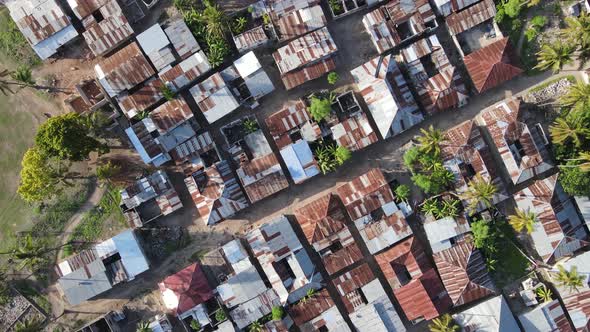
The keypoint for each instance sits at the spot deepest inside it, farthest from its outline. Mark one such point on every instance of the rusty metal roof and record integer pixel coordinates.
(382, 30)
(291, 118)
(321, 218)
(186, 72)
(136, 102)
(492, 65)
(170, 114)
(123, 70)
(463, 271)
(315, 306)
(348, 283)
(250, 39)
(308, 73)
(214, 98)
(262, 177)
(182, 39)
(419, 296)
(305, 50)
(300, 22)
(194, 147)
(471, 16)
(110, 32)
(354, 133)
(37, 19)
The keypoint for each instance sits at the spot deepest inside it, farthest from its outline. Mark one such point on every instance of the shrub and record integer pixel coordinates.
(402, 192)
(195, 325)
(220, 315)
(107, 171)
(167, 92)
(574, 181)
(250, 126)
(239, 25)
(277, 313)
(320, 108)
(411, 157)
(538, 22)
(531, 34)
(342, 154)
(333, 78)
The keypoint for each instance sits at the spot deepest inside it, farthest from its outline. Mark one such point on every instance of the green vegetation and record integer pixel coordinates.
(167, 92)
(26, 288)
(143, 326)
(544, 294)
(554, 56)
(444, 323)
(13, 45)
(336, 7)
(220, 315)
(29, 325)
(402, 192)
(320, 108)
(23, 74)
(4, 287)
(250, 125)
(333, 77)
(239, 25)
(255, 327)
(195, 325)
(330, 157)
(570, 279)
(428, 172)
(523, 220)
(480, 190)
(107, 171)
(441, 207)
(277, 313)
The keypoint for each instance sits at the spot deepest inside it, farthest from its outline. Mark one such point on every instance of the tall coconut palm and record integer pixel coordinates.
(5, 83)
(143, 327)
(29, 325)
(256, 326)
(577, 31)
(554, 56)
(430, 140)
(214, 19)
(570, 279)
(584, 159)
(577, 95)
(564, 130)
(523, 220)
(479, 190)
(444, 323)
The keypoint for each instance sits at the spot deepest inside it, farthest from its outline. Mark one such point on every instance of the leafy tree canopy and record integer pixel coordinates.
(320, 108)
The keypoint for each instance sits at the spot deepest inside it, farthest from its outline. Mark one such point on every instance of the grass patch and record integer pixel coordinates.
(543, 85)
(25, 287)
(13, 44)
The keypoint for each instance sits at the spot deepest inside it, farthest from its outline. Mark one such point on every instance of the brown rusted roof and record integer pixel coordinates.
(321, 218)
(354, 133)
(149, 94)
(110, 32)
(262, 177)
(300, 22)
(342, 258)
(492, 65)
(317, 304)
(251, 39)
(382, 30)
(37, 20)
(311, 72)
(186, 71)
(420, 296)
(365, 193)
(291, 117)
(171, 114)
(470, 17)
(151, 147)
(463, 271)
(349, 282)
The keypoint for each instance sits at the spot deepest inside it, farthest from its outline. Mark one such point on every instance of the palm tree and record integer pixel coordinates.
(449, 208)
(523, 220)
(554, 56)
(479, 190)
(255, 327)
(444, 323)
(577, 31)
(143, 327)
(544, 293)
(325, 158)
(29, 325)
(578, 94)
(30, 253)
(584, 157)
(430, 207)
(4, 83)
(562, 130)
(215, 20)
(430, 140)
(570, 279)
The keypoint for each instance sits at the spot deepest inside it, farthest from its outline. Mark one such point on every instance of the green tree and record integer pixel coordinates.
(566, 129)
(479, 190)
(250, 125)
(29, 325)
(573, 180)
(577, 95)
(239, 25)
(512, 8)
(214, 19)
(430, 207)
(570, 279)
(5, 84)
(195, 325)
(320, 109)
(342, 154)
(325, 157)
(256, 326)
(23, 74)
(411, 157)
(38, 180)
(583, 161)
(430, 140)
(220, 315)
(523, 220)
(544, 294)
(481, 233)
(449, 208)
(332, 78)
(167, 92)
(435, 180)
(402, 192)
(277, 313)
(554, 56)
(143, 326)
(539, 21)
(444, 323)
(67, 137)
(577, 31)
(107, 171)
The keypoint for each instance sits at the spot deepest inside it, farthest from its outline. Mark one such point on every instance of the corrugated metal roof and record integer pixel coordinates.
(310, 72)
(291, 118)
(382, 30)
(254, 309)
(155, 44)
(216, 192)
(214, 98)
(83, 8)
(182, 39)
(577, 302)
(548, 316)
(440, 232)
(305, 50)
(251, 39)
(135, 103)
(193, 148)
(491, 315)
(492, 65)
(354, 133)
(321, 218)
(378, 315)
(300, 22)
(261, 176)
(189, 287)
(123, 70)
(110, 32)
(387, 95)
(171, 114)
(470, 17)
(186, 71)
(315, 306)
(463, 271)
(559, 231)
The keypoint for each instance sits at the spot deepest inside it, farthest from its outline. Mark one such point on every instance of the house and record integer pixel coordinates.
(98, 269)
(186, 293)
(158, 137)
(354, 131)
(444, 233)
(283, 259)
(197, 152)
(105, 24)
(473, 27)
(89, 98)
(243, 291)
(559, 232)
(576, 300)
(142, 98)
(387, 96)
(306, 58)
(106, 323)
(323, 223)
(185, 72)
(248, 80)
(462, 269)
(318, 313)
(214, 98)
(182, 39)
(123, 70)
(397, 21)
(215, 192)
(366, 302)
(548, 316)
(251, 39)
(447, 7)
(492, 65)
(415, 283)
(292, 130)
(156, 46)
(439, 84)
(149, 198)
(522, 148)
(370, 204)
(466, 154)
(492, 315)
(43, 23)
(259, 170)
(294, 18)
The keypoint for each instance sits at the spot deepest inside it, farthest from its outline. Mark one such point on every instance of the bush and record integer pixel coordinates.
(320, 109)
(403, 193)
(342, 154)
(167, 92)
(220, 315)
(195, 325)
(250, 126)
(277, 313)
(538, 22)
(184, 5)
(574, 181)
(531, 34)
(332, 78)
(411, 157)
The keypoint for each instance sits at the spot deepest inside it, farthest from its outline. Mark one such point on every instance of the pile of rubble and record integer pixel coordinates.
(550, 92)
(161, 238)
(17, 309)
